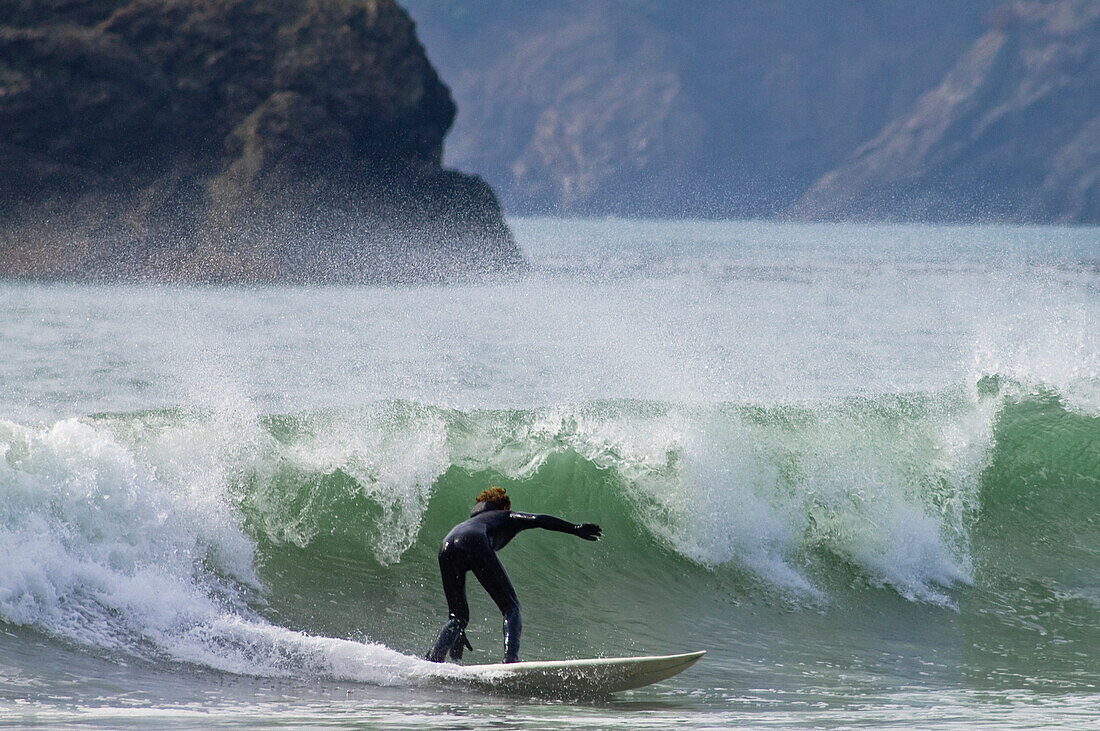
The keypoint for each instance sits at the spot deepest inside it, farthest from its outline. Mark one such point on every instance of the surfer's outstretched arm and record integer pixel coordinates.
(522, 521)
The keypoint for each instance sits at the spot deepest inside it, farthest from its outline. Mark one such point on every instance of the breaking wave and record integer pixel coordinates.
(194, 535)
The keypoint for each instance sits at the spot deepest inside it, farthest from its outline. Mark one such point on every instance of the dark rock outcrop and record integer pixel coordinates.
(231, 140)
(1012, 133)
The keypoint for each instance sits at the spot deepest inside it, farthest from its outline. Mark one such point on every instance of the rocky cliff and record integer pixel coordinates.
(231, 140)
(1012, 132)
(884, 109)
(711, 108)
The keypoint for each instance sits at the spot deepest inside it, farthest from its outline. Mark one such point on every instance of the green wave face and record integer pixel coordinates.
(939, 505)
(779, 532)
(1036, 610)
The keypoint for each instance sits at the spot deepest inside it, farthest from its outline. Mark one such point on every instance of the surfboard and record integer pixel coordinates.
(590, 676)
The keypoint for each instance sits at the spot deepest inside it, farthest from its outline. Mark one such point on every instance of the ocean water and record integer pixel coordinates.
(860, 465)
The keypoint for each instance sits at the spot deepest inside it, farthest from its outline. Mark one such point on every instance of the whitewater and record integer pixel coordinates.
(859, 464)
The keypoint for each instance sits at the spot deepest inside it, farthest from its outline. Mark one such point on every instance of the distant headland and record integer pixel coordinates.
(938, 110)
(232, 140)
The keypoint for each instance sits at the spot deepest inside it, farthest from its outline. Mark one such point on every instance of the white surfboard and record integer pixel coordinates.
(590, 676)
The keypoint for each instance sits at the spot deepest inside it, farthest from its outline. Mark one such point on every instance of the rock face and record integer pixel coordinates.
(237, 140)
(892, 109)
(711, 108)
(574, 108)
(1012, 133)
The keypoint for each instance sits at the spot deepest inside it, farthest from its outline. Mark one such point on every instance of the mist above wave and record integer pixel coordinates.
(681, 312)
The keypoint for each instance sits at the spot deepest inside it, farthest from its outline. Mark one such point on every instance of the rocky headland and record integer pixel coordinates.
(1011, 133)
(232, 140)
(937, 110)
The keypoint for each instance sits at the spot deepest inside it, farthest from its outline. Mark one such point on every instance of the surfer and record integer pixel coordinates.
(472, 546)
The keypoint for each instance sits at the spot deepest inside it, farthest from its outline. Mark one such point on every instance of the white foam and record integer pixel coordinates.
(233, 644)
(104, 550)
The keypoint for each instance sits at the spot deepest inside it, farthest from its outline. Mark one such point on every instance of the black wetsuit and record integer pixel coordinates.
(472, 546)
